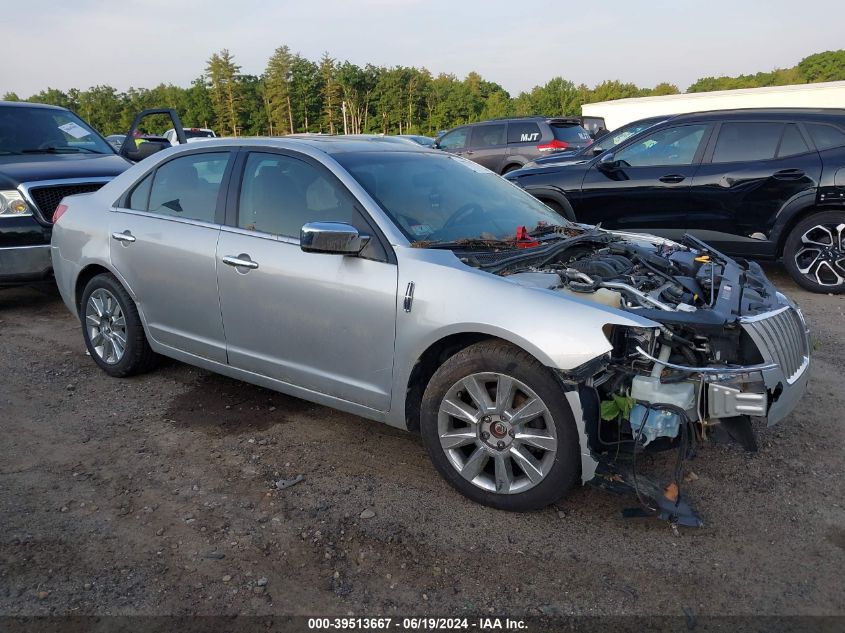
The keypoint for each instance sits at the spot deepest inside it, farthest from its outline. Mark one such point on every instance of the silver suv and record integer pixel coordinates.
(416, 288)
(503, 145)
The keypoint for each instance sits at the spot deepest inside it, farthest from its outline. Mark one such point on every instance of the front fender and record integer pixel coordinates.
(561, 331)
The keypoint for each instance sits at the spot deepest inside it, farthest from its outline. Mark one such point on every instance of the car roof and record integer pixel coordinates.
(756, 113)
(326, 144)
(27, 104)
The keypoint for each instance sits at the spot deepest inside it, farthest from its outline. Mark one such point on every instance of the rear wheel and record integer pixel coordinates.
(814, 252)
(498, 428)
(112, 328)
(510, 168)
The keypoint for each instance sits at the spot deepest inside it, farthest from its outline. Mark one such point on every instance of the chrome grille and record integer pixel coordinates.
(781, 337)
(48, 198)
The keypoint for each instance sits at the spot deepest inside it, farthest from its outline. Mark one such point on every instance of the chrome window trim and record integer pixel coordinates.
(259, 234)
(170, 218)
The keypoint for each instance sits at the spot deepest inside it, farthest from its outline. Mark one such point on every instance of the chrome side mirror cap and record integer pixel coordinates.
(334, 238)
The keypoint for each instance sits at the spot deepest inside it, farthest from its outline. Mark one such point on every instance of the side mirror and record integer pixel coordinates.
(142, 151)
(607, 163)
(334, 238)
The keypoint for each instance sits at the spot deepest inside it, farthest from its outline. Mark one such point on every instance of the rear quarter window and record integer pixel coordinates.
(527, 132)
(826, 136)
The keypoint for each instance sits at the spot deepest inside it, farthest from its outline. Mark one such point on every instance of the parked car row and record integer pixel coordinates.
(763, 184)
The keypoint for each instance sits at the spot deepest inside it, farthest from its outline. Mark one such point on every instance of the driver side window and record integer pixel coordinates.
(670, 146)
(456, 139)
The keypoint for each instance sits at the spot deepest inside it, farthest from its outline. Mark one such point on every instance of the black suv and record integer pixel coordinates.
(762, 184)
(47, 153)
(503, 145)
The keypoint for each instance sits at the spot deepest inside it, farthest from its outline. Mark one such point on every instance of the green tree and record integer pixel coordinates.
(226, 91)
(277, 82)
(826, 66)
(330, 93)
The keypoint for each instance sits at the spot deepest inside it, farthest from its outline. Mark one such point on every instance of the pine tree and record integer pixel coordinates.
(226, 93)
(330, 92)
(277, 80)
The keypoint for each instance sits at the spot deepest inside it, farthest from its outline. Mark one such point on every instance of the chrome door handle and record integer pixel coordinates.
(126, 236)
(672, 178)
(237, 261)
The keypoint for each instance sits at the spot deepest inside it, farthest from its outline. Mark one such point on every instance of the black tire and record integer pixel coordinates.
(508, 360)
(510, 168)
(794, 245)
(137, 357)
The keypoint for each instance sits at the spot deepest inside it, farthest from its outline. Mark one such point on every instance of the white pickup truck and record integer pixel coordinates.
(193, 134)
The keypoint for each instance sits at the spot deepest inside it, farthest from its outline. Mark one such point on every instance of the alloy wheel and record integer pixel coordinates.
(497, 433)
(106, 326)
(821, 255)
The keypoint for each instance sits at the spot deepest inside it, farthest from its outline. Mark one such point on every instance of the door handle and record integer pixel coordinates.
(672, 178)
(240, 261)
(789, 174)
(126, 236)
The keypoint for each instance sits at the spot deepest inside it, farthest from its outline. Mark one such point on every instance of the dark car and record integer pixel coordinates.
(46, 153)
(756, 183)
(503, 145)
(595, 126)
(116, 140)
(425, 141)
(608, 141)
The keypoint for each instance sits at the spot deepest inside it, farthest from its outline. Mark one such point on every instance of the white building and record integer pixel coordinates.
(621, 111)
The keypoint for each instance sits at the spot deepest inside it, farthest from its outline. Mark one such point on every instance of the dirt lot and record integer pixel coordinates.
(156, 495)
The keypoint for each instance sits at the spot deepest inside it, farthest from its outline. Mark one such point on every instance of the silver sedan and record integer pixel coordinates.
(418, 289)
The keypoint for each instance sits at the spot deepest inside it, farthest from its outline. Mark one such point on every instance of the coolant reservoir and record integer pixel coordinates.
(605, 296)
(659, 423)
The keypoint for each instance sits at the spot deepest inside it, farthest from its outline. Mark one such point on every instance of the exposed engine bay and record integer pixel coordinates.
(726, 350)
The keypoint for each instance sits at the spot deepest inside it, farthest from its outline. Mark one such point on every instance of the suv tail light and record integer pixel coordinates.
(553, 145)
(59, 212)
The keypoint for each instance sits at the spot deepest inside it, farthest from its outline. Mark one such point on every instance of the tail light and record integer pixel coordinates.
(59, 212)
(553, 145)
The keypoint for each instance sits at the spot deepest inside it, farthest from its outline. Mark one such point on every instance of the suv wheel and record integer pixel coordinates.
(498, 427)
(112, 328)
(814, 252)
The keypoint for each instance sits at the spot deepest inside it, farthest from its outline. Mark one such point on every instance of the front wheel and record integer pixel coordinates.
(814, 252)
(498, 427)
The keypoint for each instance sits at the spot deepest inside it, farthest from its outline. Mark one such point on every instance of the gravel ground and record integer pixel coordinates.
(158, 495)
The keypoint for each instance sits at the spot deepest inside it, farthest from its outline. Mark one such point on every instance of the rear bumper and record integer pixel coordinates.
(22, 264)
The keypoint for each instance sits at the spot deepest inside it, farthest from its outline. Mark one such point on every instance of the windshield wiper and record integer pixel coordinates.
(467, 242)
(60, 150)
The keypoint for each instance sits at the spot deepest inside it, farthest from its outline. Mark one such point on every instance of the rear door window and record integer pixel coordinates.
(826, 136)
(523, 132)
(488, 135)
(456, 139)
(747, 141)
(187, 187)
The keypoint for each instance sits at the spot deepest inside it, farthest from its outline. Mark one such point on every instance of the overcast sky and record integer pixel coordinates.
(520, 44)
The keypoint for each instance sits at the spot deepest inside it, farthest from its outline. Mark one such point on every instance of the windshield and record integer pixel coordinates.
(571, 133)
(26, 130)
(444, 198)
(614, 138)
(199, 134)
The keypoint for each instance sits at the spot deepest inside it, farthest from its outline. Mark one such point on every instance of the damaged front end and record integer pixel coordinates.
(728, 350)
